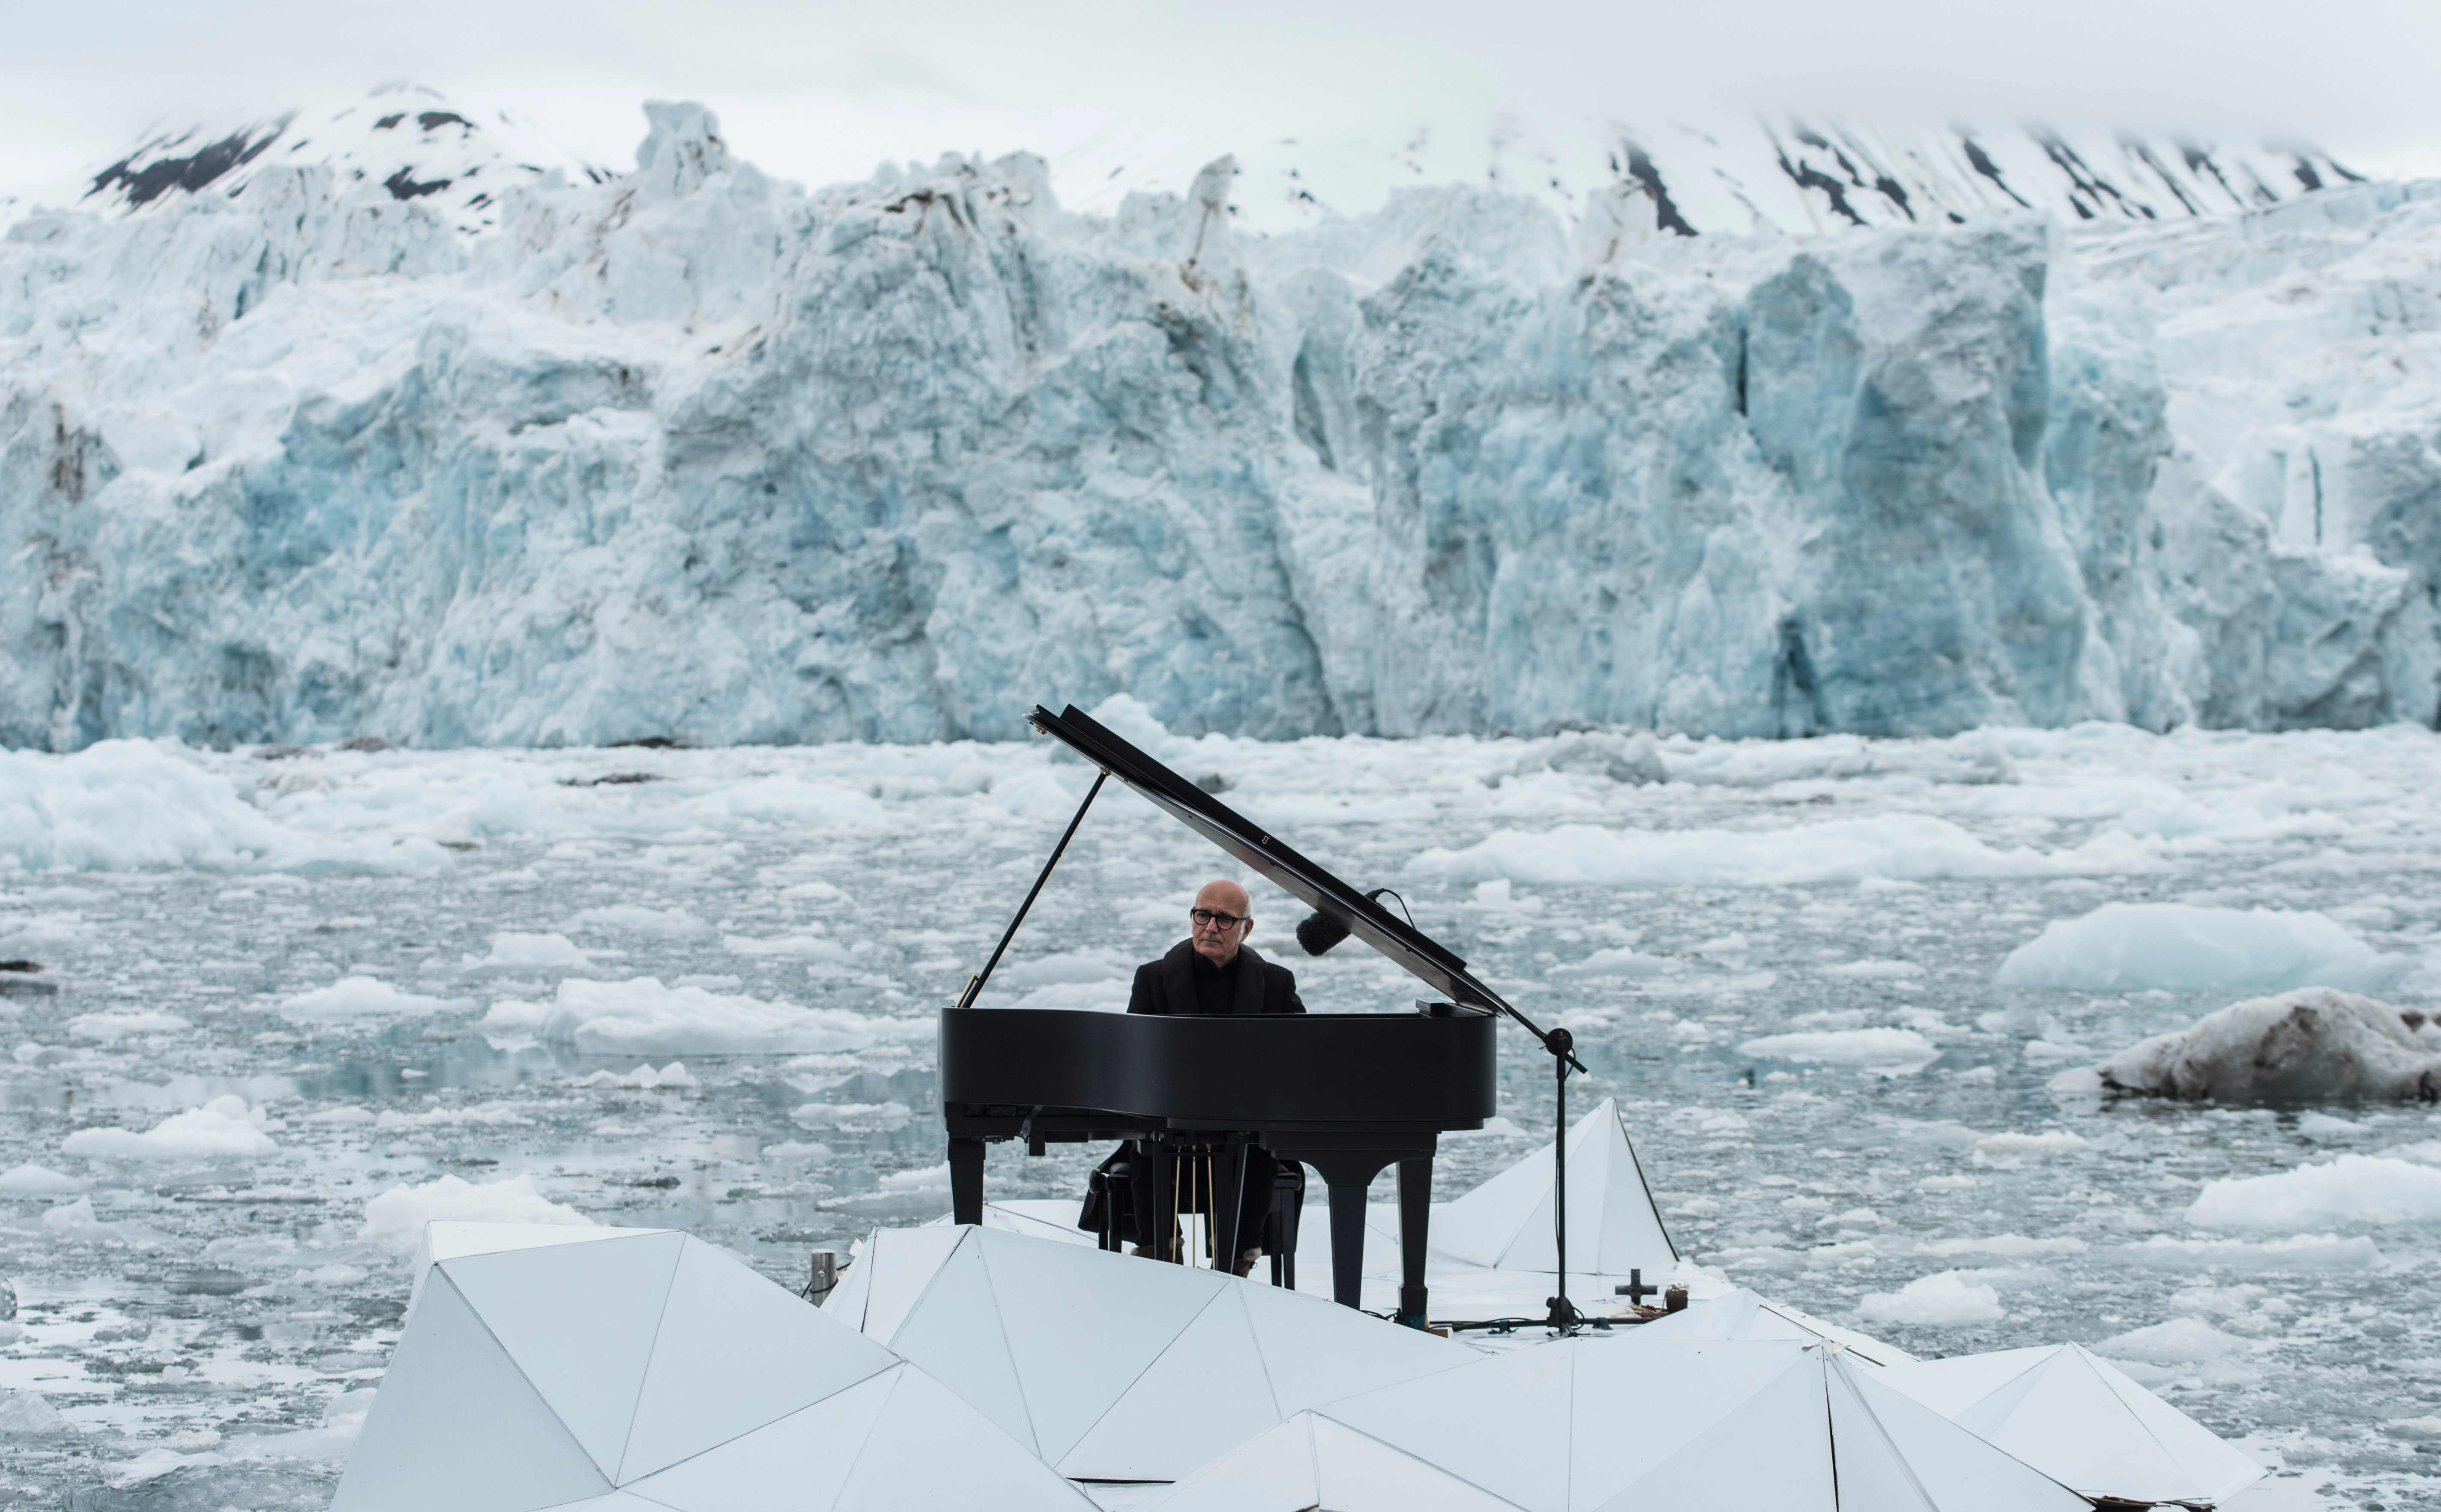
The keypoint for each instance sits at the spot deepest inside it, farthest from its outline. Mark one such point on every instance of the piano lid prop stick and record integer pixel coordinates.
(975, 983)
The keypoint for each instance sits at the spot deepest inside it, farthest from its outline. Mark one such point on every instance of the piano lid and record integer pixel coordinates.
(1301, 878)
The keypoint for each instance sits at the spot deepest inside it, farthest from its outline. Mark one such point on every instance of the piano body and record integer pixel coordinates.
(1347, 1094)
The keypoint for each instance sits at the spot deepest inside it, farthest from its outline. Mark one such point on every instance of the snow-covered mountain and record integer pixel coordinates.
(410, 141)
(691, 453)
(1794, 175)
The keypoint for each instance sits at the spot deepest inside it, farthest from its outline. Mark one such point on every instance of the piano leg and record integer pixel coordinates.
(1348, 1242)
(966, 1180)
(1228, 1202)
(1415, 1219)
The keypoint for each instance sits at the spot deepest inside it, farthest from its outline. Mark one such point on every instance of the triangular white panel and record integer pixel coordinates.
(1613, 1227)
(2081, 1421)
(579, 1320)
(955, 1334)
(1359, 1473)
(931, 1453)
(1269, 1472)
(1635, 1404)
(1958, 1471)
(1769, 1449)
(1447, 1419)
(1743, 1314)
(1213, 1364)
(1317, 1351)
(795, 1464)
(1083, 1324)
(898, 1264)
(734, 1352)
(615, 1501)
(1872, 1469)
(847, 1299)
(457, 1425)
(451, 1238)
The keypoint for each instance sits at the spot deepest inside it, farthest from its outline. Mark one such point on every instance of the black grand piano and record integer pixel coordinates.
(1344, 1093)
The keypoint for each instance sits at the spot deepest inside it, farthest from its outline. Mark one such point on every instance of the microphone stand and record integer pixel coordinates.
(1564, 1315)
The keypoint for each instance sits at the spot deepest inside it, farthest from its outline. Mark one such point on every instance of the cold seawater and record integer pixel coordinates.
(335, 975)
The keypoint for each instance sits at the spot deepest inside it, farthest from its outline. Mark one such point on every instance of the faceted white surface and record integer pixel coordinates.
(1613, 1227)
(458, 1425)
(734, 1352)
(2079, 1420)
(1745, 1314)
(581, 1327)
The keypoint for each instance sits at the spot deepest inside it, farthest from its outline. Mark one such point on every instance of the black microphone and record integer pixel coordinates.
(1318, 931)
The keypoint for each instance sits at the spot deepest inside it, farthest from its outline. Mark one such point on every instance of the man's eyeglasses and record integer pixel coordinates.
(1208, 916)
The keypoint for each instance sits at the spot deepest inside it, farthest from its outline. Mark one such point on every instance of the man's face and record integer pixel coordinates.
(1217, 942)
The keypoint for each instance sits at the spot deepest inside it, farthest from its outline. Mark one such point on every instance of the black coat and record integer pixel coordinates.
(1167, 985)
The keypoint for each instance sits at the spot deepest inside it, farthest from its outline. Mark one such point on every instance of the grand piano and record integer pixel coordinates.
(1346, 1094)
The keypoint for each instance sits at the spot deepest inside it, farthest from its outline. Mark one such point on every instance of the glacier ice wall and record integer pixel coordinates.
(695, 454)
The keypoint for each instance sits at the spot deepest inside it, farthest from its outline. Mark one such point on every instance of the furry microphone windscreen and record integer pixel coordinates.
(1318, 932)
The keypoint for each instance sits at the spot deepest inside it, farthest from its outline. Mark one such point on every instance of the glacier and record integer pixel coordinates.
(695, 454)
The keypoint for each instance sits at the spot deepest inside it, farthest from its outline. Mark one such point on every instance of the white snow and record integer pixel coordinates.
(2351, 1189)
(2309, 1045)
(1943, 1299)
(396, 1217)
(358, 997)
(2132, 946)
(221, 1128)
(640, 1016)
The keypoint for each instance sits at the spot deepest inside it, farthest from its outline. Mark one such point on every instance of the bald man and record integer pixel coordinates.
(1212, 970)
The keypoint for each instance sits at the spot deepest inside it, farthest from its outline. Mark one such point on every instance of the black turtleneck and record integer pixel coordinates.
(1216, 988)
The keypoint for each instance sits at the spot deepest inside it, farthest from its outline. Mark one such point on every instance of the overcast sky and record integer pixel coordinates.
(820, 92)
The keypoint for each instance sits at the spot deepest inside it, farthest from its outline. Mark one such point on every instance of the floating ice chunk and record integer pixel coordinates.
(855, 1118)
(2014, 1145)
(221, 1128)
(1943, 1299)
(111, 1027)
(352, 998)
(26, 1414)
(2304, 1252)
(2180, 1342)
(672, 1074)
(343, 1421)
(37, 1181)
(483, 1115)
(2131, 946)
(2008, 1246)
(1618, 962)
(1909, 847)
(2351, 1189)
(635, 918)
(2310, 1045)
(396, 1217)
(1874, 970)
(1891, 1051)
(804, 1152)
(73, 1216)
(511, 951)
(800, 946)
(643, 1017)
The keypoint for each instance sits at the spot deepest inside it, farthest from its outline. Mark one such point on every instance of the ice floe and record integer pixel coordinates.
(2131, 946)
(2311, 1045)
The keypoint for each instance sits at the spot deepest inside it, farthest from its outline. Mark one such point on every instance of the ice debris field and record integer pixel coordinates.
(1847, 992)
